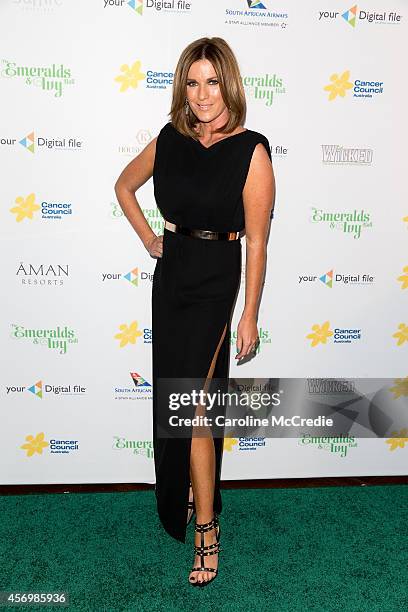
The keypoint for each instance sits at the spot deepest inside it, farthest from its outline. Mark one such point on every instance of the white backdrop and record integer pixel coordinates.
(76, 373)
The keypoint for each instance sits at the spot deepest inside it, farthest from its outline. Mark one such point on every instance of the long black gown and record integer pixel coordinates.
(194, 287)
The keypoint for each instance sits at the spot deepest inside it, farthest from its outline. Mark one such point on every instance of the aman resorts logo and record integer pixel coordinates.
(45, 274)
(37, 6)
(340, 84)
(133, 75)
(52, 78)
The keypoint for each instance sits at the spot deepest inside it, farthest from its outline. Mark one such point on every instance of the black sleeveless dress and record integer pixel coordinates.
(194, 287)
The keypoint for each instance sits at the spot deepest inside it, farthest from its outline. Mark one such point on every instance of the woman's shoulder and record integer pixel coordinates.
(259, 137)
(166, 128)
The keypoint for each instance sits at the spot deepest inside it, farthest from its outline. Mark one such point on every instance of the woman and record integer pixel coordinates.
(212, 178)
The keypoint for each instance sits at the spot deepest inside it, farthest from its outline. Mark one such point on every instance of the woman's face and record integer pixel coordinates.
(203, 92)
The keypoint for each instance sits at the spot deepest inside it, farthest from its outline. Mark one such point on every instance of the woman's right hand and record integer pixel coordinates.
(155, 246)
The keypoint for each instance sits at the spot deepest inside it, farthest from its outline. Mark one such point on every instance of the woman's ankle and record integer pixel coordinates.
(204, 517)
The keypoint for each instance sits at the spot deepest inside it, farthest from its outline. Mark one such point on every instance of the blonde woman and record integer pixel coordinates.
(212, 178)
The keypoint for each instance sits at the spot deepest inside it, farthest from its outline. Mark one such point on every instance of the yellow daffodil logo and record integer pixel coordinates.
(229, 443)
(130, 77)
(339, 85)
(399, 439)
(400, 388)
(405, 219)
(402, 334)
(320, 333)
(35, 444)
(129, 334)
(404, 278)
(25, 207)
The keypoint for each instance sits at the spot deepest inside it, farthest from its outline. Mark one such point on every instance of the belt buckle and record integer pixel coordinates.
(206, 234)
(198, 233)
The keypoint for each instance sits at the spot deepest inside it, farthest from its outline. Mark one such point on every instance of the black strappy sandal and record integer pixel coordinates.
(190, 508)
(204, 551)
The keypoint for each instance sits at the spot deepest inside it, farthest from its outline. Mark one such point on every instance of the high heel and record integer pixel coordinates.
(203, 551)
(190, 507)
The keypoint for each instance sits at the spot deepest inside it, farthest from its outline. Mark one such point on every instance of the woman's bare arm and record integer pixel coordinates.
(258, 198)
(136, 173)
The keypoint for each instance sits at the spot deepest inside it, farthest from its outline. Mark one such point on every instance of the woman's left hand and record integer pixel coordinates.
(247, 336)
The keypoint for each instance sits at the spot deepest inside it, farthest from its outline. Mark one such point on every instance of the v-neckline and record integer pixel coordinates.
(200, 144)
(218, 141)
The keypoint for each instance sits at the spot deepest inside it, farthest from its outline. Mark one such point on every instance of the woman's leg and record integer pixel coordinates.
(202, 475)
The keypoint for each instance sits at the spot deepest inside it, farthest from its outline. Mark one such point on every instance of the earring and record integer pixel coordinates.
(186, 106)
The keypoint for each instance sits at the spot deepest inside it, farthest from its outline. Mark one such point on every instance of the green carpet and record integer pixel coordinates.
(321, 549)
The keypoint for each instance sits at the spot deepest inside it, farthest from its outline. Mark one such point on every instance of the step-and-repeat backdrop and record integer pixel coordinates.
(84, 87)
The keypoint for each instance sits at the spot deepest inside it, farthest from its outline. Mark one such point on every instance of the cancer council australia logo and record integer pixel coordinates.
(320, 334)
(128, 334)
(35, 444)
(130, 77)
(340, 84)
(25, 207)
(403, 279)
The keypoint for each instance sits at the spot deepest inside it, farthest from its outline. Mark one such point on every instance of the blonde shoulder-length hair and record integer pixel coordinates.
(219, 53)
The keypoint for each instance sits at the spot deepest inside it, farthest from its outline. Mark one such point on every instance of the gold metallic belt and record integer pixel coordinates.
(196, 233)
